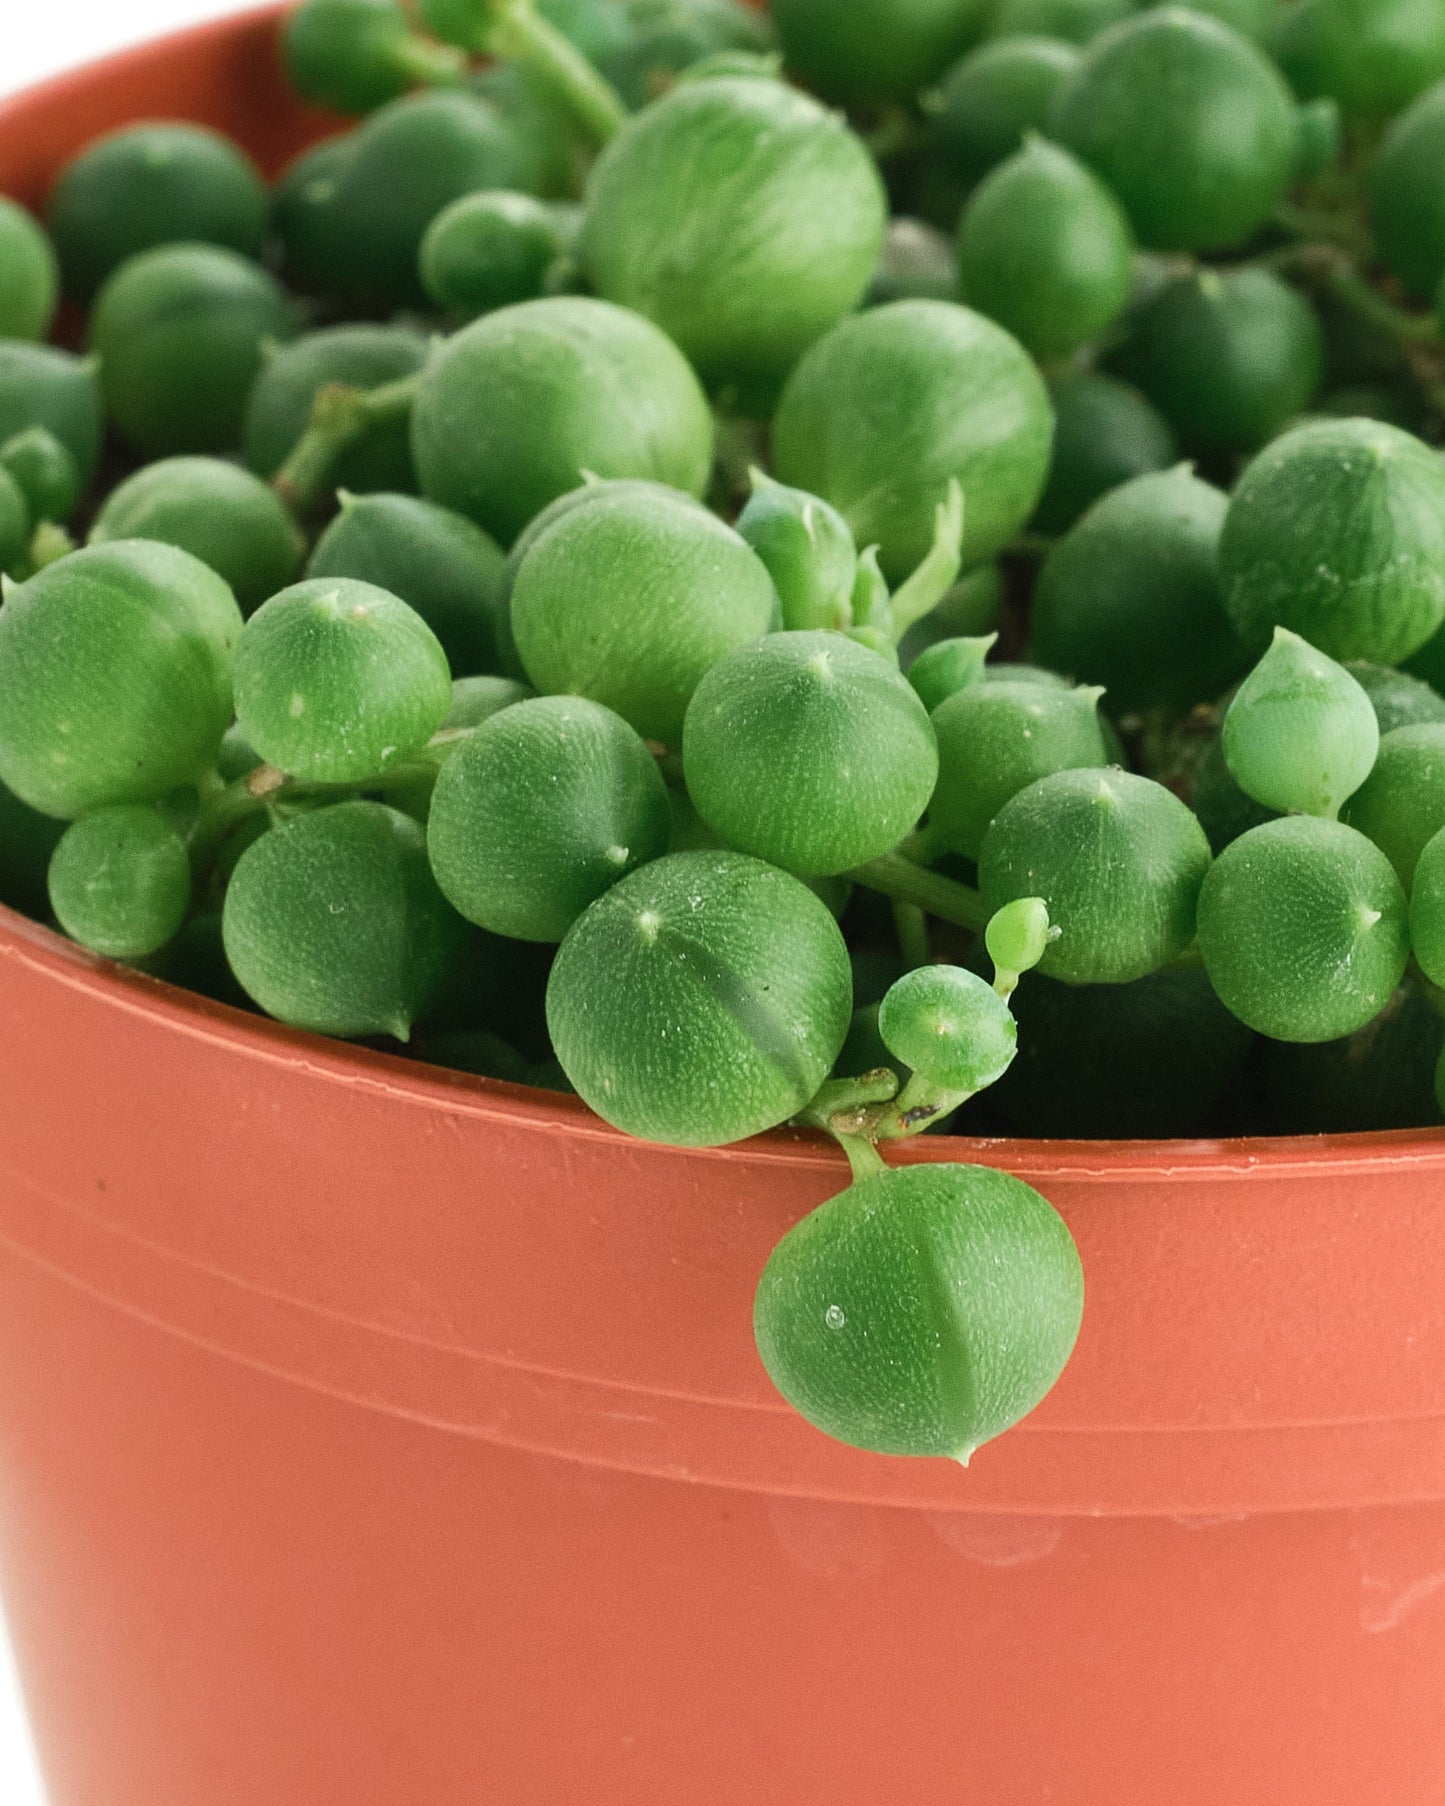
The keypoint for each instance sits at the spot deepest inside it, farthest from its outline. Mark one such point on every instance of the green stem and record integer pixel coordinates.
(911, 926)
(896, 134)
(513, 31)
(936, 576)
(847, 1109)
(340, 415)
(898, 877)
(431, 65)
(1339, 230)
(1328, 268)
(863, 1157)
(846, 1106)
(223, 807)
(917, 1107)
(1353, 292)
(51, 541)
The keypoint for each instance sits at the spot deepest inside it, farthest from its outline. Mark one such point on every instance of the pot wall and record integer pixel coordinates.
(372, 1434)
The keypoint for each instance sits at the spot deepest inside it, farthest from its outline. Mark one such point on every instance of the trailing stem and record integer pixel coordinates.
(910, 924)
(1329, 269)
(515, 32)
(431, 65)
(223, 807)
(340, 416)
(898, 877)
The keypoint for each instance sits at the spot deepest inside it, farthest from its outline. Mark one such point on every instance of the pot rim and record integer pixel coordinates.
(1125, 1161)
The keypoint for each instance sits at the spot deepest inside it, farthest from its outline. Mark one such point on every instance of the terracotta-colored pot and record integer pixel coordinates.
(374, 1436)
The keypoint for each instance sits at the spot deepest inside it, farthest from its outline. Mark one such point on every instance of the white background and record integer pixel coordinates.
(40, 38)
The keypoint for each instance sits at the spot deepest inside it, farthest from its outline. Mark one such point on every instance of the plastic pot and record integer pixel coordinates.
(373, 1436)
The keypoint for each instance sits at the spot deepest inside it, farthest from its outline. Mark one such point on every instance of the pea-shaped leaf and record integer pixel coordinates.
(950, 1027)
(1427, 910)
(337, 681)
(1302, 924)
(440, 563)
(160, 182)
(120, 881)
(810, 751)
(741, 216)
(354, 55)
(1045, 250)
(279, 407)
(490, 249)
(223, 515)
(333, 922)
(29, 275)
(994, 740)
(923, 1311)
(1107, 433)
(1189, 123)
(894, 404)
(549, 804)
(1337, 531)
(45, 471)
(702, 1000)
(408, 160)
(515, 407)
(1117, 859)
(1401, 805)
(809, 552)
(181, 332)
(982, 109)
(115, 677)
(948, 666)
(1130, 598)
(1301, 736)
(1229, 357)
(43, 386)
(631, 597)
(1017, 938)
(866, 51)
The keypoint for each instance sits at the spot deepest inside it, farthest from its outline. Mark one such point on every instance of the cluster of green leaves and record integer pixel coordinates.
(549, 558)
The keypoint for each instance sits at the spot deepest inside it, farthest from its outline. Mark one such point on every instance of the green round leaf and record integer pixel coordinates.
(1117, 859)
(334, 923)
(519, 407)
(549, 804)
(337, 681)
(1337, 531)
(1302, 924)
(120, 881)
(883, 412)
(810, 751)
(921, 1312)
(702, 1000)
